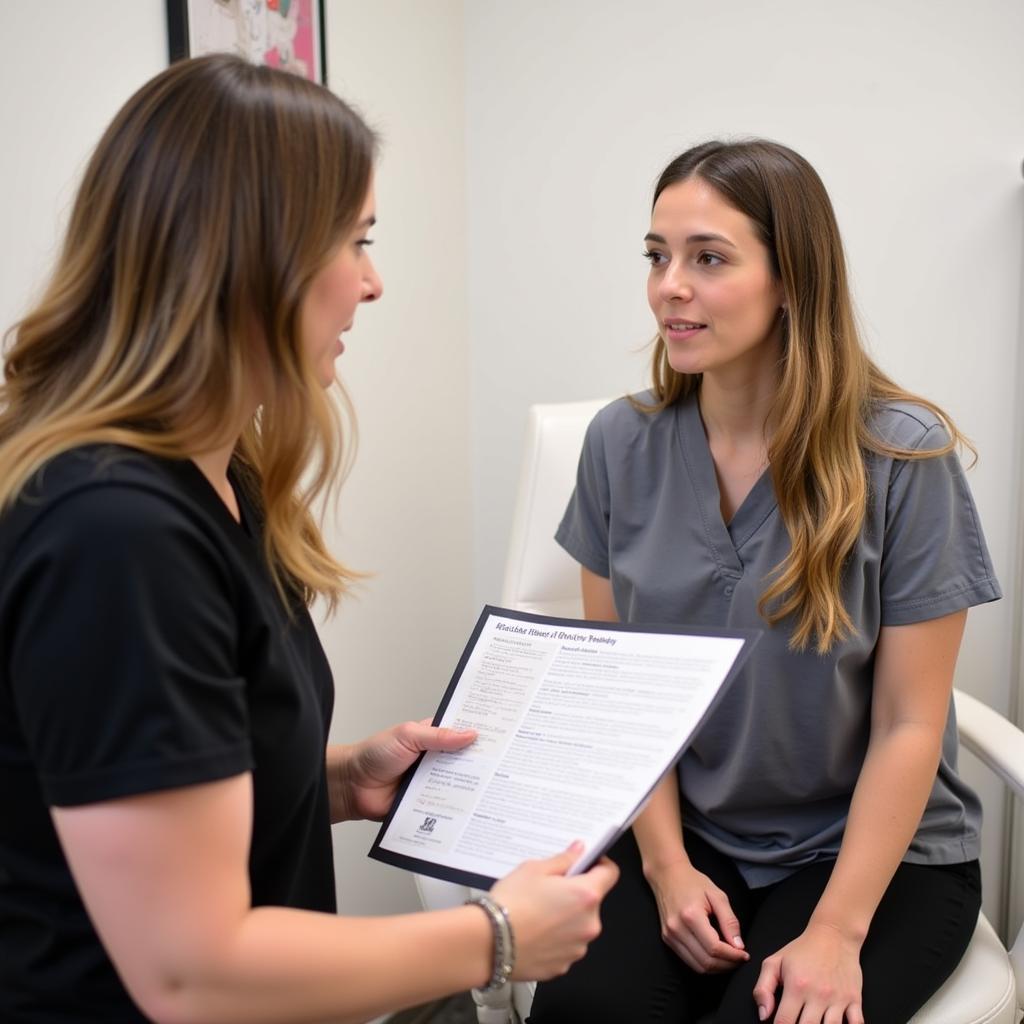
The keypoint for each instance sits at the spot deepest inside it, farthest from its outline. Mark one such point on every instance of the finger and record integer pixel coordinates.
(720, 956)
(682, 951)
(764, 990)
(602, 876)
(560, 862)
(854, 1014)
(835, 1015)
(424, 736)
(695, 956)
(728, 922)
(701, 926)
(790, 1006)
(812, 1013)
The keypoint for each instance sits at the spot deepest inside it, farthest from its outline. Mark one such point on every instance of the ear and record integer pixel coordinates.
(780, 295)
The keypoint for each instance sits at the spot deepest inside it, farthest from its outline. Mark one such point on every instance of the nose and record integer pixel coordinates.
(675, 282)
(373, 287)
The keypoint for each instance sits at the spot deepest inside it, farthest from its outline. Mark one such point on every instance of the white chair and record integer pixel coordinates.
(988, 985)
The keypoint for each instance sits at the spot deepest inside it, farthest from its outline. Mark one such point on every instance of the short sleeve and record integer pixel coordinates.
(122, 649)
(583, 531)
(934, 558)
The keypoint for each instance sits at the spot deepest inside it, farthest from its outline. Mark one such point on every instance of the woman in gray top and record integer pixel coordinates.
(815, 860)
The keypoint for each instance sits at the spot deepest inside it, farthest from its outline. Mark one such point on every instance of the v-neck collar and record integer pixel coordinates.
(725, 539)
(203, 492)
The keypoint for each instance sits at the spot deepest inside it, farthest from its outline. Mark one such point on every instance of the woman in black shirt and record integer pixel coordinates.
(164, 700)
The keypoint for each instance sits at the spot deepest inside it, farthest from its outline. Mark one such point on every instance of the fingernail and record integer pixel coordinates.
(738, 942)
(577, 846)
(762, 1013)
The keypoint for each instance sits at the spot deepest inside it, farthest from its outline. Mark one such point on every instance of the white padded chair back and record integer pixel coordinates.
(539, 576)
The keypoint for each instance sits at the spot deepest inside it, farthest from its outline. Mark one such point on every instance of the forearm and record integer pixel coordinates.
(659, 829)
(886, 808)
(281, 966)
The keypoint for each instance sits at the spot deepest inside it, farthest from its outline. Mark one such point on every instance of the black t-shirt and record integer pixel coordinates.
(143, 646)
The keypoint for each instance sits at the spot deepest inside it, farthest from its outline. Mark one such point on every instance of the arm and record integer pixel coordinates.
(912, 685)
(165, 879)
(686, 898)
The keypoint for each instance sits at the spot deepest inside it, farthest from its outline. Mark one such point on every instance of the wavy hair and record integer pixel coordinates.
(211, 201)
(829, 390)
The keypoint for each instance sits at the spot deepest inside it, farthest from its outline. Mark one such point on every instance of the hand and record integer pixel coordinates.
(365, 775)
(553, 918)
(687, 899)
(819, 973)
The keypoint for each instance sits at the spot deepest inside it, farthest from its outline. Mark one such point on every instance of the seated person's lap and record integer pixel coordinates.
(630, 976)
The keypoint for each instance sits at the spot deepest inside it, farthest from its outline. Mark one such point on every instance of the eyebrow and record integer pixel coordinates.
(707, 237)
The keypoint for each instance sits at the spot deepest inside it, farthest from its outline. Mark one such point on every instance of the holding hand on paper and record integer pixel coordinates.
(363, 777)
(554, 917)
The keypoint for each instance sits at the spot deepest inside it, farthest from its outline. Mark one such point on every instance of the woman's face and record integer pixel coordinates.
(711, 286)
(329, 307)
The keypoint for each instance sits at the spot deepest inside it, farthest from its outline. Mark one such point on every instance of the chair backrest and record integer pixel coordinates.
(539, 575)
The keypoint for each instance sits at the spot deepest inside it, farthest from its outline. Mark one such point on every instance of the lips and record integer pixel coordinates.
(679, 330)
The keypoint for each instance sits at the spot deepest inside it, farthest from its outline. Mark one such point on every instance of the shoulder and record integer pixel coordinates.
(108, 497)
(632, 420)
(907, 425)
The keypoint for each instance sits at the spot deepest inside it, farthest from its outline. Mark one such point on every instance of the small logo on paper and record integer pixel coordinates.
(428, 825)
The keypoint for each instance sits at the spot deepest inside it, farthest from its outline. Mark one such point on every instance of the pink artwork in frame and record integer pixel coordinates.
(286, 34)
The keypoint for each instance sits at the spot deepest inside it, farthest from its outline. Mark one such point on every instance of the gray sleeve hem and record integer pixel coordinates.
(904, 613)
(588, 557)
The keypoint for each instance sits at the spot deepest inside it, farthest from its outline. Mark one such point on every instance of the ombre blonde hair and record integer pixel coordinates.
(213, 198)
(829, 390)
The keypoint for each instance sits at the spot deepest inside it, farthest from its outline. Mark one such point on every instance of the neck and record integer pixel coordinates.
(738, 405)
(213, 465)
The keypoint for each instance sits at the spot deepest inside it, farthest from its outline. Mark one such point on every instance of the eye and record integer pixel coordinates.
(655, 258)
(710, 259)
(362, 243)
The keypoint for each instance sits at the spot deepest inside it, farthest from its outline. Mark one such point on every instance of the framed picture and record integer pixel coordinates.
(287, 34)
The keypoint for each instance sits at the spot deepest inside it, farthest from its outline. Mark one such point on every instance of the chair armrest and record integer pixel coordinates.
(999, 745)
(436, 894)
(991, 738)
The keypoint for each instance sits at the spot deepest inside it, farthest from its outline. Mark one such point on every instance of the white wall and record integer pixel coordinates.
(67, 69)
(407, 507)
(912, 113)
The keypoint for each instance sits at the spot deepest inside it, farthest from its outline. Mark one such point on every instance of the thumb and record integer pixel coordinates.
(764, 990)
(561, 862)
(604, 874)
(424, 736)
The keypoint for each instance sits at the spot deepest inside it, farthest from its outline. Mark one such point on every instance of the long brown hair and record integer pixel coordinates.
(213, 198)
(829, 390)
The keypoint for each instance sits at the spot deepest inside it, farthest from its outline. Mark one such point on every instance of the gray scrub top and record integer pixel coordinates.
(769, 777)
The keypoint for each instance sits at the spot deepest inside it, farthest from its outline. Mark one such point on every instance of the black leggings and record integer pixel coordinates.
(629, 976)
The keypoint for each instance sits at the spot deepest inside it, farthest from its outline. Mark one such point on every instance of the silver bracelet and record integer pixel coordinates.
(504, 941)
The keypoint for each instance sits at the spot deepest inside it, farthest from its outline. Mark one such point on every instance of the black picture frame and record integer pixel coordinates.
(184, 17)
